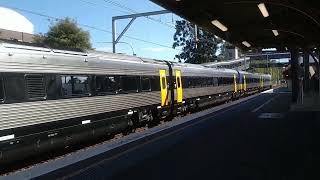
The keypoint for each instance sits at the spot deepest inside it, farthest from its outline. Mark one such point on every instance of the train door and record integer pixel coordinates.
(235, 83)
(240, 82)
(164, 89)
(179, 86)
(244, 83)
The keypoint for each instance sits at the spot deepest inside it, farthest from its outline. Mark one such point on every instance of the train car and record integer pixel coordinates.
(204, 86)
(53, 98)
(266, 81)
(252, 83)
(50, 99)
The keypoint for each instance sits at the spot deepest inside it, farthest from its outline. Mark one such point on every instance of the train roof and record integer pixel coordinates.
(96, 58)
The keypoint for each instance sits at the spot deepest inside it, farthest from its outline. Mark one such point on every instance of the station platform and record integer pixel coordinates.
(258, 137)
(309, 102)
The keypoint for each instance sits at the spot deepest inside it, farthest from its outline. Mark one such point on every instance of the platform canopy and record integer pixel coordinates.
(297, 22)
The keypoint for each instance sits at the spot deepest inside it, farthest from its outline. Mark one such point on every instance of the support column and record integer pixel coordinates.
(294, 62)
(306, 64)
(113, 36)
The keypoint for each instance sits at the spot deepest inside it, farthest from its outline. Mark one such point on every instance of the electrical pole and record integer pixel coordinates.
(196, 35)
(132, 17)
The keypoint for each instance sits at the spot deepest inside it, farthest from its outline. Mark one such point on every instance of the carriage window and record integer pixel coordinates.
(225, 81)
(1, 90)
(66, 85)
(194, 81)
(15, 87)
(209, 81)
(53, 84)
(185, 81)
(203, 81)
(215, 82)
(220, 81)
(75, 85)
(107, 85)
(113, 83)
(129, 83)
(155, 84)
(80, 85)
(145, 84)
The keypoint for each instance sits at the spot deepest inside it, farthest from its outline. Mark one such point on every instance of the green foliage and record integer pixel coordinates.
(39, 38)
(201, 51)
(260, 66)
(65, 34)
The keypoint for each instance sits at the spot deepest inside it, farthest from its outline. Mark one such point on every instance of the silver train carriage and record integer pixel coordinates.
(52, 98)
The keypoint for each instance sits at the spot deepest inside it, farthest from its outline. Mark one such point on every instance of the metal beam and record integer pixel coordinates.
(314, 58)
(125, 29)
(295, 74)
(114, 36)
(133, 17)
(306, 71)
(153, 13)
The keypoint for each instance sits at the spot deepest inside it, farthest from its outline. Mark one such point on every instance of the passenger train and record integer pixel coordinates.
(55, 98)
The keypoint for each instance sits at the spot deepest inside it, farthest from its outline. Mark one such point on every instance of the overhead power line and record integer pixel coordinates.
(103, 6)
(125, 11)
(86, 25)
(129, 10)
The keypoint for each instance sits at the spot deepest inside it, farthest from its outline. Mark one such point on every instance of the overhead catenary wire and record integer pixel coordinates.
(88, 26)
(125, 11)
(102, 6)
(129, 10)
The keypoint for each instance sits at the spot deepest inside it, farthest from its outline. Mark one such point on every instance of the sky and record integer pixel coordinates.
(98, 14)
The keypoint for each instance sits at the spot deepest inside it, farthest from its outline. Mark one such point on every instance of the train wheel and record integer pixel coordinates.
(155, 118)
(130, 129)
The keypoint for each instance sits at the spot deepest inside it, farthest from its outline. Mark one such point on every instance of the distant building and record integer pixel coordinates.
(232, 52)
(14, 26)
(16, 36)
(239, 64)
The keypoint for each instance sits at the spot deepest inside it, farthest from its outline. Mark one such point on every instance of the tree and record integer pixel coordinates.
(204, 49)
(65, 34)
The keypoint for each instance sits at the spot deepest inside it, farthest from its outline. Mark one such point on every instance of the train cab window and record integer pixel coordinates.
(129, 83)
(1, 90)
(145, 84)
(15, 87)
(75, 86)
(155, 83)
